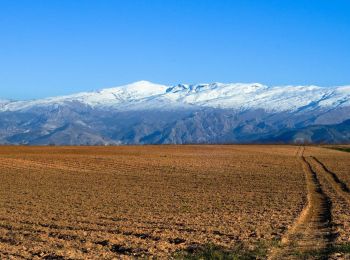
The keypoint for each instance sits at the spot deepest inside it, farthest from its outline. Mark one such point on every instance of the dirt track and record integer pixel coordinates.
(312, 230)
(313, 235)
(338, 185)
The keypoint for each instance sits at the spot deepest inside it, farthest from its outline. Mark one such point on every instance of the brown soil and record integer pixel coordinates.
(322, 229)
(152, 201)
(312, 231)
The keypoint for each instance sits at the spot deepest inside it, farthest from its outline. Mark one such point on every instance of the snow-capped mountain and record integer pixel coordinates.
(144, 112)
(145, 95)
(4, 102)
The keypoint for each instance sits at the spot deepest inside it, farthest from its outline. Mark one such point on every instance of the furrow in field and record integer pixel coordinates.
(26, 165)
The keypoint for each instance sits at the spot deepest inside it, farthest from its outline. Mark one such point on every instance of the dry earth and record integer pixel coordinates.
(159, 201)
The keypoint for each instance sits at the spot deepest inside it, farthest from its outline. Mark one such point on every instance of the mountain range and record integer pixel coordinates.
(148, 113)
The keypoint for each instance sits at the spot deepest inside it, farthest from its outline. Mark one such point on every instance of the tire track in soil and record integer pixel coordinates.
(340, 194)
(338, 185)
(312, 231)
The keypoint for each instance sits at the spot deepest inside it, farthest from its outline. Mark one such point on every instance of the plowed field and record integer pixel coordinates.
(173, 201)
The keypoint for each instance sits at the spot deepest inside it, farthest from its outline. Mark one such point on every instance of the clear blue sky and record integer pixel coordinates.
(55, 47)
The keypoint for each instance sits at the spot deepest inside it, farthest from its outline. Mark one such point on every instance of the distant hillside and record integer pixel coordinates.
(148, 113)
(331, 134)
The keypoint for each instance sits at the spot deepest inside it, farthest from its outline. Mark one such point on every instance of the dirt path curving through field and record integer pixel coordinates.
(311, 235)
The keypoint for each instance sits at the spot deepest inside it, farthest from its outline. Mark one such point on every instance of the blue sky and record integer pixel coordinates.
(57, 47)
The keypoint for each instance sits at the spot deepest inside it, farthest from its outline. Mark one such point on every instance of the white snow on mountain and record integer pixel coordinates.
(146, 95)
(3, 103)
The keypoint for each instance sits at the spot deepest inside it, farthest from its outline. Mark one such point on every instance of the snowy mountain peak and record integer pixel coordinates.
(4, 101)
(139, 86)
(145, 95)
(137, 90)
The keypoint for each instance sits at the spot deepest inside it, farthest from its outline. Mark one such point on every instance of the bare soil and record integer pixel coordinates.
(157, 201)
